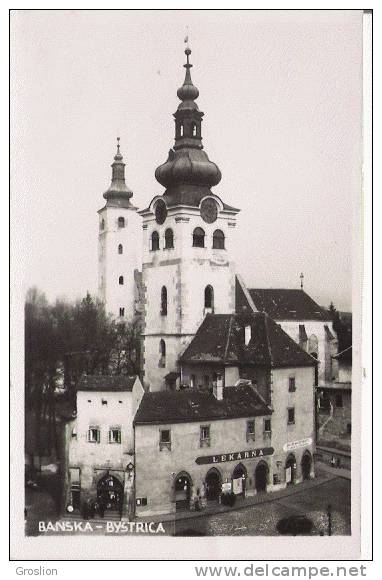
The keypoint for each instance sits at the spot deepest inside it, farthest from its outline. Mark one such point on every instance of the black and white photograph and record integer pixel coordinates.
(186, 249)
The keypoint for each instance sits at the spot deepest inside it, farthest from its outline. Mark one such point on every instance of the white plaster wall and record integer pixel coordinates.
(112, 264)
(315, 327)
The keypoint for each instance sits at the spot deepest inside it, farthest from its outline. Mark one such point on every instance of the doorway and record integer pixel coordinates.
(110, 493)
(239, 478)
(261, 477)
(306, 464)
(183, 485)
(213, 485)
(290, 470)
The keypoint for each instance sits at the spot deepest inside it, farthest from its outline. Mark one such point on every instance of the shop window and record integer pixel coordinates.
(291, 418)
(218, 240)
(162, 353)
(168, 239)
(121, 312)
(163, 309)
(121, 222)
(198, 238)
(292, 384)
(339, 400)
(267, 428)
(205, 436)
(154, 241)
(120, 249)
(164, 439)
(250, 430)
(94, 435)
(120, 281)
(209, 298)
(115, 435)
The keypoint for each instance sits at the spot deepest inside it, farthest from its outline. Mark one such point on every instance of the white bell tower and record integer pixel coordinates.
(119, 246)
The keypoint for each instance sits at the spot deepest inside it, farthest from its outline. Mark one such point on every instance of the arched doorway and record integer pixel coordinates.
(182, 488)
(261, 476)
(290, 469)
(239, 478)
(110, 493)
(213, 484)
(306, 465)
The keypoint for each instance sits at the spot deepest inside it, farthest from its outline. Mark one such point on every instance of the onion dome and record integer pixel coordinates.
(118, 193)
(187, 163)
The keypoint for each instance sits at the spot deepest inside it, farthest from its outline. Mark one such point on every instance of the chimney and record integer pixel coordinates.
(218, 388)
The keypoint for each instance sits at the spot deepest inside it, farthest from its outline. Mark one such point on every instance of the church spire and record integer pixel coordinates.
(187, 165)
(118, 193)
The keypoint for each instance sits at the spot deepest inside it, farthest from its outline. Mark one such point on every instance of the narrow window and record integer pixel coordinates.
(154, 241)
(120, 249)
(122, 312)
(193, 380)
(339, 401)
(250, 433)
(164, 439)
(94, 435)
(102, 224)
(247, 334)
(291, 416)
(162, 353)
(209, 297)
(198, 238)
(205, 436)
(120, 281)
(115, 435)
(218, 240)
(163, 310)
(181, 130)
(292, 384)
(169, 238)
(193, 129)
(121, 222)
(267, 428)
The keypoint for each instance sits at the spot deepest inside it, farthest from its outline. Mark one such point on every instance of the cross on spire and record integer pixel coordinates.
(302, 280)
(118, 140)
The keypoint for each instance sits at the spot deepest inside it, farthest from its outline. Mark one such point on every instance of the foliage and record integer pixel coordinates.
(62, 342)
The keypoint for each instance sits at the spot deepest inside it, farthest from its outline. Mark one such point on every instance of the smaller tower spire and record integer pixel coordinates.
(118, 193)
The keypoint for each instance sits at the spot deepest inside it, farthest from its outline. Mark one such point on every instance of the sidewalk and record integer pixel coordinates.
(325, 476)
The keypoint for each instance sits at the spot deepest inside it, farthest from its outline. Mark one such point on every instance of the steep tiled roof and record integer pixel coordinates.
(220, 338)
(287, 304)
(192, 405)
(106, 383)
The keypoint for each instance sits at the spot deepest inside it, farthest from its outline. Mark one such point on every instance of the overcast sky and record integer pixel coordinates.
(281, 93)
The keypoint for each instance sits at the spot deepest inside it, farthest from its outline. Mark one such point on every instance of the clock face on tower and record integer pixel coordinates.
(209, 210)
(160, 212)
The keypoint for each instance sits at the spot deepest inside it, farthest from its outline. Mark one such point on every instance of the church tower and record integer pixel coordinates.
(119, 247)
(187, 237)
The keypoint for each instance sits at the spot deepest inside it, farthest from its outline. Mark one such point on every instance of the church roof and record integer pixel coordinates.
(106, 383)
(194, 405)
(221, 339)
(285, 304)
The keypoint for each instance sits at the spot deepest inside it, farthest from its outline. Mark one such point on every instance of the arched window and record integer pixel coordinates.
(154, 241)
(169, 238)
(193, 129)
(218, 240)
(120, 281)
(181, 130)
(163, 309)
(209, 297)
(121, 222)
(120, 249)
(198, 238)
(162, 353)
(102, 224)
(313, 344)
